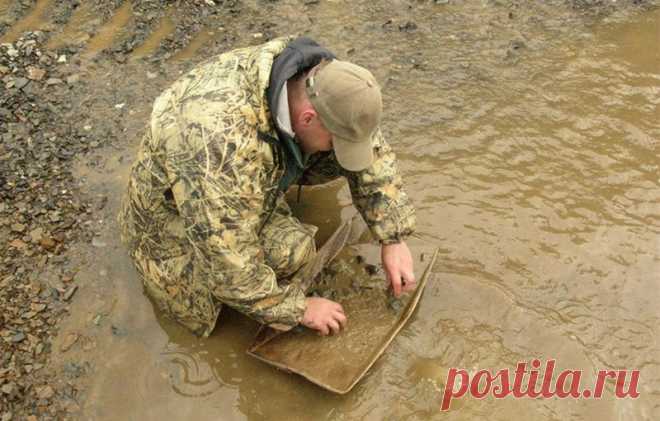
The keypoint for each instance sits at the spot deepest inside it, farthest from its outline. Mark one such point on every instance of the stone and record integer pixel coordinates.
(36, 235)
(47, 243)
(45, 392)
(19, 337)
(17, 227)
(37, 308)
(53, 81)
(73, 79)
(69, 341)
(18, 244)
(35, 73)
(69, 292)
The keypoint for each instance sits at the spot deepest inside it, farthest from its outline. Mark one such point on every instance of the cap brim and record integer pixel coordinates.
(353, 156)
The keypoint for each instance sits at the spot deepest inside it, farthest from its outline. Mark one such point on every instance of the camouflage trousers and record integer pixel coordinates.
(287, 244)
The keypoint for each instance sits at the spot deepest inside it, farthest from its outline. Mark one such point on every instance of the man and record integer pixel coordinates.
(204, 216)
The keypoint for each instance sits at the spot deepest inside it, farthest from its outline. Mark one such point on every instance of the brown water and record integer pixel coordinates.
(531, 150)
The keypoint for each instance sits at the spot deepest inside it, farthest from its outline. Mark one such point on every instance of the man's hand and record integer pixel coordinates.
(398, 265)
(324, 315)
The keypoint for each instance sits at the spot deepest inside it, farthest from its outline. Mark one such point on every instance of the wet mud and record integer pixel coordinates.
(527, 135)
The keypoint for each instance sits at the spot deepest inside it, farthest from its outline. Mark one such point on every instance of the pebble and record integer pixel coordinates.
(20, 82)
(19, 337)
(69, 292)
(35, 73)
(73, 79)
(18, 227)
(69, 341)
(45, 392)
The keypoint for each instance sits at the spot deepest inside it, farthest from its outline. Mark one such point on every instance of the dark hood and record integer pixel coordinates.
(299, 55)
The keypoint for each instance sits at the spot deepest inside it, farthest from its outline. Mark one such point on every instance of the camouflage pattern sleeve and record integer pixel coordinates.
(379, 196)
(215, 176)
(377, 191)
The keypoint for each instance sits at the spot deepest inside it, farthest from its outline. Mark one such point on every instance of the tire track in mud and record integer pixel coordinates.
(133, 29)
(163, 28)
(111, 30)
(32, 21)
(75, 30)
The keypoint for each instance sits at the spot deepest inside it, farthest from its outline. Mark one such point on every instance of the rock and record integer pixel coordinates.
(61, 59)
(7, 416)
(45, 392)
(8, 388)
(69, 292)
(73, 369)
(18, 244)
(69, 341)
(36, 235)
(35, 73)
(17, 227)
(408, 27)
(53, 81)
(20, 82)
(37, 308)
(19, 337)
(73, 79)
(48, 244)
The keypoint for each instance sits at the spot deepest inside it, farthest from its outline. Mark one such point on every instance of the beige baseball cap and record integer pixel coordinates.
(348, 101)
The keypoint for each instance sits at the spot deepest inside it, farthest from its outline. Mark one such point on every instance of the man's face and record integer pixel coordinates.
(312, 135)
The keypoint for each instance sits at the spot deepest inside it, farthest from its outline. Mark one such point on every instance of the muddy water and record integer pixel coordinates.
(530, 147)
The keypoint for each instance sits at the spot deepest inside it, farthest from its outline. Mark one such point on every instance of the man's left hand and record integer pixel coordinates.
(398, 265)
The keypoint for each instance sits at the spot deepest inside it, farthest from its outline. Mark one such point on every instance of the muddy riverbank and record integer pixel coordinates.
(527, 134)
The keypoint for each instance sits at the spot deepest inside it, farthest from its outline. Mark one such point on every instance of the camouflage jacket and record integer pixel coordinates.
(209, 172)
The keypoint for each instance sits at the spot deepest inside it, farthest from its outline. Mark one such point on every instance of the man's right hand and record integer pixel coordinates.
(324, 315)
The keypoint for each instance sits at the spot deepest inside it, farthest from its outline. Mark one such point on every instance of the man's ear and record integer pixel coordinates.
(307, 117)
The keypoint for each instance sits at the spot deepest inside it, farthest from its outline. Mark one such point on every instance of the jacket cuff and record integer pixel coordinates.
(294, 313)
